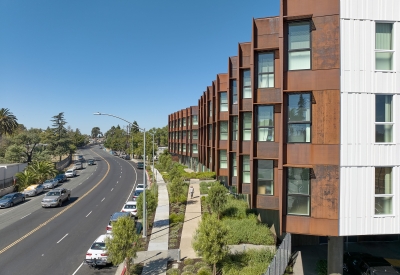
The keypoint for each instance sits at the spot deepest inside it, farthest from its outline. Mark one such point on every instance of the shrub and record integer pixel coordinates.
(250, 262)
(204, 186)
(204, 271)
(199, 265)
(186, 273)
(235, 208)
(173, 271)
(189, 268)
(188, 261)
(322, 267)
(176, 218)
(217, 198)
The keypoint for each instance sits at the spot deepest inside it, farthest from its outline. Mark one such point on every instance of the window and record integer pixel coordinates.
(188, 132)
(265, 123)
(183, 134)
(223, 130)
(184, 148)
(384, 46)
(299, 48)
(246, 88)
(210, 109)
(194, 149)
(234, 164)
(210, 132)
(265, 177)
(223, 101)
(265, 70)
(298, 197)
(246, 125)
(223, 160)
(383, 118)
(299, 124)
(246, 169)
(194, 120)
(188, 120)
(234, 128)
(179, 122)
(234, 91)
(383, 191)
(184, 121)
(195, 134)
(209, 156)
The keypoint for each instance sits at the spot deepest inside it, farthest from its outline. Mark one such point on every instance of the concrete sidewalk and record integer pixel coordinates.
(192, 219)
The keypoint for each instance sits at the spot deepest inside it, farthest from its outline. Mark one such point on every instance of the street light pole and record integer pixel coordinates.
(144, 173)
(153, 158)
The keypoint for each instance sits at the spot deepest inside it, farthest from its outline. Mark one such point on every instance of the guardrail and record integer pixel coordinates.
(282, 257)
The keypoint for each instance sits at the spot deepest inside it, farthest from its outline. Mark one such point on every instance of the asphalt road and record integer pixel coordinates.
(36, 240)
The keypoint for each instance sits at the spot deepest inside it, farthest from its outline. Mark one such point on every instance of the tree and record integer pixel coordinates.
(123, 243)
(8, 122)
(210, 240)
(15, 154)
(28, 140)
(26, 178)
(217, 198)
(95, 132)
(43, 170)
(60, 143)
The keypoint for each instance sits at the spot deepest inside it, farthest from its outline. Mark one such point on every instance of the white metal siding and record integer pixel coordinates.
(359, 155)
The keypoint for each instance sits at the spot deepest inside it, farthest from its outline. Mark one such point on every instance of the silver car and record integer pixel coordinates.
(33, 190)
(50, 184)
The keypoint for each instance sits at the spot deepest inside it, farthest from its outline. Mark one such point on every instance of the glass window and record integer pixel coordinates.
(184, 121)
(266, 70)
(210, 109)
(298, 186)
(299, 123)
(183, 134)
(188, 132)
(246, 88)
(223, 130)
(384, 46)
(209, 156)
(234, 164)
(210, 132)
(234, 128)
(234, 91)
(195, 134)
(299, 48)
(223, 160)
(184, 148)
(246, 125)
(265, 177)
(223, 107)
(188, 120)
(194, 148)
(246, 169)
(383, 118)
(194, 120)
(265, 123)
(383, 191)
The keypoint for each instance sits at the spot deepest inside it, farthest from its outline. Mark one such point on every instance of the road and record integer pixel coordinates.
(36, 240)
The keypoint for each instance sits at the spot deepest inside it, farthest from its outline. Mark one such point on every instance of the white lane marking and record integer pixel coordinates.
(88, 214)
(62, 238)
(121, 172)
(103, 199)
(87, 178)
(42, 255)
(25, 216)
(77, 269)
(117, 181)
(6, 212)
(112, 189)
(119, 176)
(80, 183)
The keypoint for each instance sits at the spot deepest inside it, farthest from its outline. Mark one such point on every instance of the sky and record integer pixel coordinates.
(138, 60)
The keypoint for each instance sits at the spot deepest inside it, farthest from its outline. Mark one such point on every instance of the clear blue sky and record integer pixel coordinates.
(140, 60)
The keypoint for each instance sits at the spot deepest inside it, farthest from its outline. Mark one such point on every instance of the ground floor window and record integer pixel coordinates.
(265, 177)
(383, 191)
(298, 191)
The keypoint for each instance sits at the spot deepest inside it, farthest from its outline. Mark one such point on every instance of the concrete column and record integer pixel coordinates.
(335, 255)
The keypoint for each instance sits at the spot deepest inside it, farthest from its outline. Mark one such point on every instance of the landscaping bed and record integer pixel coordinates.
(188, 266)
(176, 219)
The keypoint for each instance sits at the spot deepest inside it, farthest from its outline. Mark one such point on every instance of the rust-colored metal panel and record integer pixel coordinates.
(247, 104)
(278, 117)
(326, 117)
(268, 95)
(312, 154)
(232, 66)
(246, 188)
(267, 41)
(267, 25)
(223, 115)
(245, 148)
(234, 109)
(233, 180)
(325, 43)
(314, 7)
(308, 80)
(223, 144)
(325, 192)
(223, 82)
(267, 150)
(311, 226)
(244, 54)
(234, 146)
(267, 202)
(223, 172)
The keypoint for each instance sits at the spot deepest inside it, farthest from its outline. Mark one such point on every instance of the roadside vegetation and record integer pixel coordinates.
(37, 172)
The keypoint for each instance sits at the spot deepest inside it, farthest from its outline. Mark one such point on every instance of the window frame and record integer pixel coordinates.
(196, 137)
(183, 147)
(195, 120)
(244, 172)
(222, 122)
(210, 131)
(223, 105)
(223, 160)
(246, 130)
(243, 84)
(392, 123)
(235, 128)
(195, 148)
(184, 122)
(265, 180)
(210, 109)
(299, 122)
(298, 194)
(302, 49)
(391, 195)
(259, 74)
(234, 164)
(234, 92)
(265, 127)
(393, 51)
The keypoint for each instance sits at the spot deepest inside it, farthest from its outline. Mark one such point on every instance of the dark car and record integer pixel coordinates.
(127, 157)
(91, 162)
(364, 263)
(115, 217)
(61, 178)
(136, 194)
(140, 165)
(11, 199)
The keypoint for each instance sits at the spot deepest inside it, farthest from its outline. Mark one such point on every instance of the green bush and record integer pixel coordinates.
(248, 230)
(249, 263)
(188, 261)
(187, 273)
(201, 264)
(235, 208)
(322, 267)
(173, 271)
(204, 186)
(189, 268)
(204, 271)
(176, 218)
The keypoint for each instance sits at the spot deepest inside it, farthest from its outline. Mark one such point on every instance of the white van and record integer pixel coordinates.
(70, 173)
(78, 165)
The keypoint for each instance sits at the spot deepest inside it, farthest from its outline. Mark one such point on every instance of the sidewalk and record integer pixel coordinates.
(192, 219)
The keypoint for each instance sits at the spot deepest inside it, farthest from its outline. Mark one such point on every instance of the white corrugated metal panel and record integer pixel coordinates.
(370, 9)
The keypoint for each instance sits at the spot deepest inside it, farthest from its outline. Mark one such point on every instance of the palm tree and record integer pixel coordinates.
(8, 122)
(26, 178)
(43, 170)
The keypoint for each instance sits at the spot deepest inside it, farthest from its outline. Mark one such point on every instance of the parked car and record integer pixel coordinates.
(91, 162)
(11, 199)
(114, 217)
(136, 194)
(364, 263)
(56, 197)
(70, 173)
(33, 190)
(140, 165)
(140, 187)
(61, 178)
(130, 207)
(127, 157)
(78, 165)
(50, 184)
(97, 253)
(80, 158)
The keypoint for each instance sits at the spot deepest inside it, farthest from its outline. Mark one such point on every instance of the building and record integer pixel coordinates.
(304, 122)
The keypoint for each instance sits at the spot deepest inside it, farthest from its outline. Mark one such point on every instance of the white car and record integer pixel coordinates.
(97, 253)
(70, 173)
(139, 187)
(130, 206)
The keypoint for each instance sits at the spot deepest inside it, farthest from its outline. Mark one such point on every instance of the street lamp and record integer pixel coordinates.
(144, 173)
